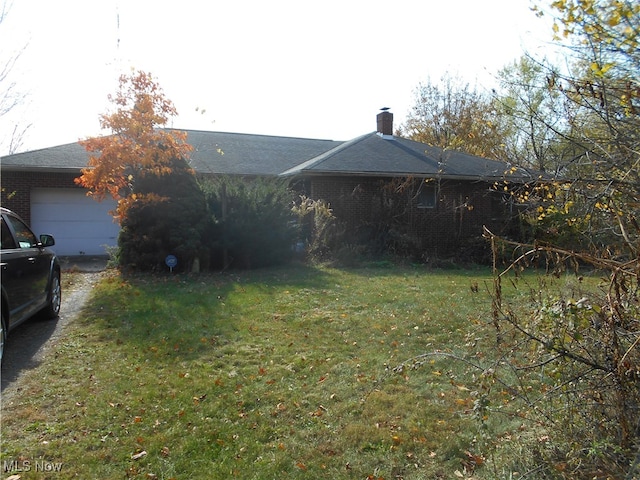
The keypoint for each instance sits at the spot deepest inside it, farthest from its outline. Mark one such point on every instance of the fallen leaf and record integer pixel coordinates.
(138, 456)
(197, 400)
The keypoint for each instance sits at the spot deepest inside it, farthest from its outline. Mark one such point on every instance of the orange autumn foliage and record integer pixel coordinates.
(137, 146)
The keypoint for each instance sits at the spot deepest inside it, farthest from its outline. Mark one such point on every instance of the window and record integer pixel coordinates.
(24, 236)
(7, 239)
(427, 197)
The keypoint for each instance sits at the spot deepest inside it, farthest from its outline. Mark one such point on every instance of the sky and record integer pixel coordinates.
(310, 69)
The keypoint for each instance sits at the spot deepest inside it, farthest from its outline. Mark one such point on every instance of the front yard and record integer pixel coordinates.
(278, 373)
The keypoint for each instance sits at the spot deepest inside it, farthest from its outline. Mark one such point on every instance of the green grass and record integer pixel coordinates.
(279, 373)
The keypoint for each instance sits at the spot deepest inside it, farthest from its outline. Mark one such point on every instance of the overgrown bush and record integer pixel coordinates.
(319, 229)
(253, 223)
(571, 216)
(167, 215)
(570, 362)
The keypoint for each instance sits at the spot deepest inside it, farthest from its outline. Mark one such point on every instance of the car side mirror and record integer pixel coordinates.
(47, 240)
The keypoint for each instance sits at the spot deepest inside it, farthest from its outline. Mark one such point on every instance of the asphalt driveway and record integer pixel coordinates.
(29, 343)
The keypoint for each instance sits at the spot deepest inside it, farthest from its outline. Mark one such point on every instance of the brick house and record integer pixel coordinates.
(439, 198)
(442, 197)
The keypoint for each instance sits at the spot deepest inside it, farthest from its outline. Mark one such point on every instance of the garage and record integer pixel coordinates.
(80, 225)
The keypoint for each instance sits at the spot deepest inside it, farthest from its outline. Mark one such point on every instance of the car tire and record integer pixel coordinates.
(3, 336)
(54, 297)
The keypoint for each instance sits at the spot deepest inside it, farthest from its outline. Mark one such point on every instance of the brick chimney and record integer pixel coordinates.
(385, 122)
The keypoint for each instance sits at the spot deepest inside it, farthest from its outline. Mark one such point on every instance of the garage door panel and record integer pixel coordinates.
(92, 229)
(80, 225)
(69, 212)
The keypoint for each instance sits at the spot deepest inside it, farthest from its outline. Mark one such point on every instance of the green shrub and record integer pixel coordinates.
(253, 223)
(166, 216)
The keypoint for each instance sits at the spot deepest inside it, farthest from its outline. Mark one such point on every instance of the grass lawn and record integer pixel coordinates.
(278, 373)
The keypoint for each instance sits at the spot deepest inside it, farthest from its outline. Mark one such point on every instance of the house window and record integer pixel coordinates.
(427, 196)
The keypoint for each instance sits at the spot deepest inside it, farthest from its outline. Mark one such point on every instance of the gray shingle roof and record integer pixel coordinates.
(69, 157)
(245, 154)
(214, 152)
(376, 155)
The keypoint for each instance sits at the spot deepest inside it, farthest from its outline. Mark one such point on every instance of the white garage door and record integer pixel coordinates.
(79, 224)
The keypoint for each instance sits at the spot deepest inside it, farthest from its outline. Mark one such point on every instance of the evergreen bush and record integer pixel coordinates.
(167, 216)
(252, 220)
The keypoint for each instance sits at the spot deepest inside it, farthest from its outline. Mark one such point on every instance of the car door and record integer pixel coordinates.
(25, 270)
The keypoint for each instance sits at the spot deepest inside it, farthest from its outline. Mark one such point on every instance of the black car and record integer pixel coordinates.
(30, 275)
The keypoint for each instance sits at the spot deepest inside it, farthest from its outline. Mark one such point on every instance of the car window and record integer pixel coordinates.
(6, 241)
(24, 236)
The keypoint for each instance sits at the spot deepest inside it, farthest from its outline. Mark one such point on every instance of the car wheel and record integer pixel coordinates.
(3, 336)
(55, 296)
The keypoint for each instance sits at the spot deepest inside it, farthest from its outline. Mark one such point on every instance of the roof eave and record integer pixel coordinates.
(30, 168)
(466, 178)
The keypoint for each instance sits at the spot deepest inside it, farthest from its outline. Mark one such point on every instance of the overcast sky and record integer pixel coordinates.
(279, 67)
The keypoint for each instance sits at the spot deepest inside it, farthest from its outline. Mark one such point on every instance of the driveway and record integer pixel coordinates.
(29, 343)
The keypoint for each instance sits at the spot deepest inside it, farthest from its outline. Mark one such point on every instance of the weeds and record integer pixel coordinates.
(570, 355)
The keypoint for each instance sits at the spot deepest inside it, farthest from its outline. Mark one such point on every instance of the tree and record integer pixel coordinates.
(10, 95)
(532, 117)
(453, 115)
(160, 207)
(581, 346)
(601, 101)
(136, 147)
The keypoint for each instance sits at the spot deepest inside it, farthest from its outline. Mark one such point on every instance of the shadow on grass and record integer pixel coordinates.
(183, 316)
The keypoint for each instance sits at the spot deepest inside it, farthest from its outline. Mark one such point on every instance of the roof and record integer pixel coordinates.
(214, 152)
(70, 157)
(381, 155)
(245, 154)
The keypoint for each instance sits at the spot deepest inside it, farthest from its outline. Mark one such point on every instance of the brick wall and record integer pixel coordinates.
(461, 208)
(17, 186)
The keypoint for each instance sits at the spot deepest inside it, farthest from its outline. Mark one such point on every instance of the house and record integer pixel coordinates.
(441, 197)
